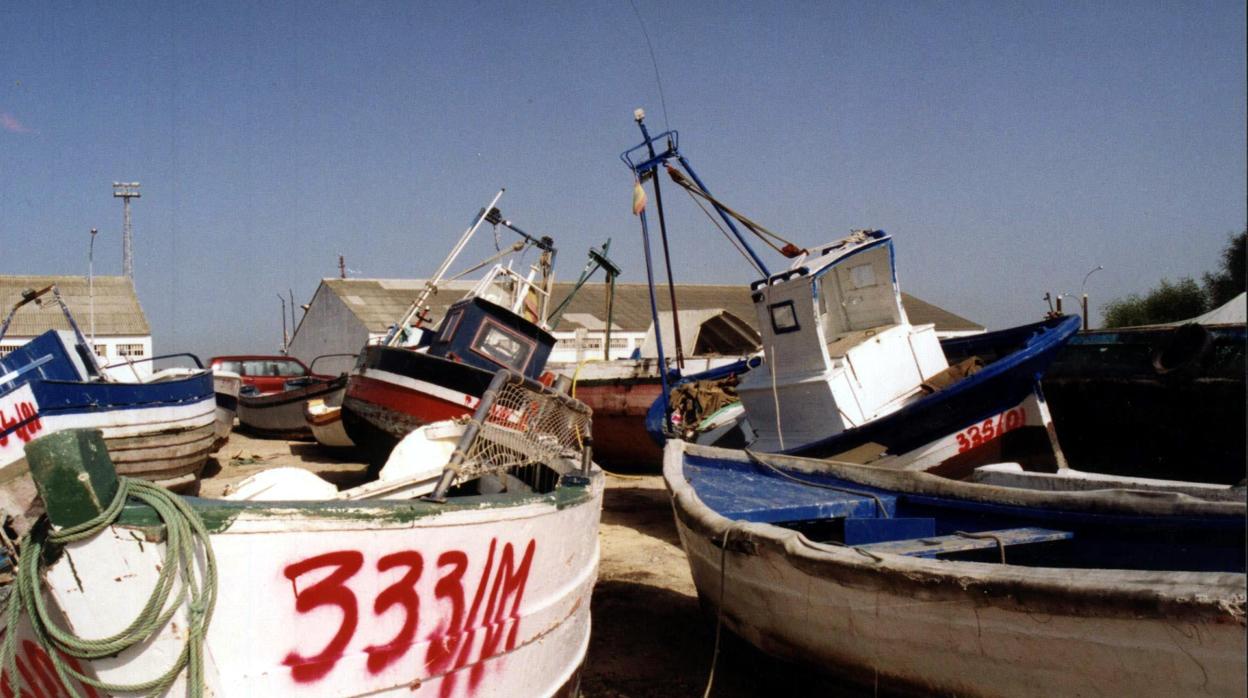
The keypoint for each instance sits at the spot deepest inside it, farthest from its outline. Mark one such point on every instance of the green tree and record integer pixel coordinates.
(1169, 302)
(1172, 302)
(1228, 282)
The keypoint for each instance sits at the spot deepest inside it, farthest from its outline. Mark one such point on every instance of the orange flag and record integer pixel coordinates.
(639, 198)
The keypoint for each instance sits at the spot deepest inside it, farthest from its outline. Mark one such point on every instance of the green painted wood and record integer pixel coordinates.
(73, 474)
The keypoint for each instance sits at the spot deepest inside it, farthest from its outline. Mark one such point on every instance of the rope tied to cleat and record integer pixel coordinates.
(185, 538)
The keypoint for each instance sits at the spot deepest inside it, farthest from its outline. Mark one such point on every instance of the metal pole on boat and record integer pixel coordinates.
(654, 313)
(727, 219)
(416, 309)
(640, 117)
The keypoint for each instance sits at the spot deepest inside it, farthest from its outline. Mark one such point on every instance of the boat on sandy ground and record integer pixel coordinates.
(844, 374)
(621, 391)
(1109, 389)
(280, 415)
(226, 385)
(481, 589)
(418, 375)
(160, 429)
(325, 421)
(913, 582)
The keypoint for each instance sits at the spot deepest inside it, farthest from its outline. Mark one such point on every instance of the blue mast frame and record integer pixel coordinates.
(650, 167)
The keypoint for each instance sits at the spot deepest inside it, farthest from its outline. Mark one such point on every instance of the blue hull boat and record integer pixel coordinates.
(161, 429)
(912, 581)
(1001, 402)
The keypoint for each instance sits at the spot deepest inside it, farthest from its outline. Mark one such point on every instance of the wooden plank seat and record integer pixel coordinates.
(978, 540)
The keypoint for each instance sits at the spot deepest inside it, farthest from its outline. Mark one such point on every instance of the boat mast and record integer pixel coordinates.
(649, 167)
(419, 308)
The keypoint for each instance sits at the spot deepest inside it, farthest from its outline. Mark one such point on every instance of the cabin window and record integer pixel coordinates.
(783, 317)
(862, 276)
(502, 346)
(450, 325)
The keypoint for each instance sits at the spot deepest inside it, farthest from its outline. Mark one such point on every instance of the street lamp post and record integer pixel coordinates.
(91, 285)
(1084, 294)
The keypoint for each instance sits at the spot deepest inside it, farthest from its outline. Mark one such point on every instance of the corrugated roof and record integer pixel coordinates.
(380, 302)
(117, 309)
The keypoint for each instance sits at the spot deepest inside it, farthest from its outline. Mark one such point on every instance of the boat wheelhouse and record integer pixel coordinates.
(838, 348)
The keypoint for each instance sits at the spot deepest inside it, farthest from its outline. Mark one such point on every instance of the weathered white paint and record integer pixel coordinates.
(328, 327)
(524, 627)
(933, 625)
(226, 383)
(325, 421)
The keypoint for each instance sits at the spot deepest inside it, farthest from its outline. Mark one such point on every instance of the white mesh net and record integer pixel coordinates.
(526, 427)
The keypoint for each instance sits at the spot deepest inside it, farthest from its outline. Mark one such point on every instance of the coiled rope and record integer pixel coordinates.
(184, 533)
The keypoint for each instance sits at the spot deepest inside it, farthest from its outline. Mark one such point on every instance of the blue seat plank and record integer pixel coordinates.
(939, 545)
(876, 529)
(761, 498)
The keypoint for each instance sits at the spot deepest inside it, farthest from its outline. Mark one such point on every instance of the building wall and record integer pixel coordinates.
(328, 327)
(587, 345)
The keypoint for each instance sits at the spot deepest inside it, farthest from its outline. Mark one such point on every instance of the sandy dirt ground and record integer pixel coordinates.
(650, 636)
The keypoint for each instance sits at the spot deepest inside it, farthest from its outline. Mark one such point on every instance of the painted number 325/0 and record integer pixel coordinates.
(979, 434)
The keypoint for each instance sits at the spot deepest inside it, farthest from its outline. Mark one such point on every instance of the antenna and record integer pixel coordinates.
(126, 191)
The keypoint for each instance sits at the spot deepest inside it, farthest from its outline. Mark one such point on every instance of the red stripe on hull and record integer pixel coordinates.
(418, 405)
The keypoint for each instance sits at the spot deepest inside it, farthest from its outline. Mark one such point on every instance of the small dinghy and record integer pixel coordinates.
(226, 385)
(280, 415)
(160, 429)
(325, 421)
(913, 582)
(481, 588)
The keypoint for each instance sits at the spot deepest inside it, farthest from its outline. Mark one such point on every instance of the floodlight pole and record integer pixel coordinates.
(126, 191)
(1084, 293)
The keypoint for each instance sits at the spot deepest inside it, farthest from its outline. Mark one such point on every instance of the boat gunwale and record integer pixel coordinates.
(219, 515)
(1102, 593)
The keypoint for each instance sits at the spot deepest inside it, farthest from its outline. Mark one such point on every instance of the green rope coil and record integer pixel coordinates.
(184, 532)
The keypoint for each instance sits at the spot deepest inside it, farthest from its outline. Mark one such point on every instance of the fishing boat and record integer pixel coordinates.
(911, 582)
(226, 385)
(621, 391)
(161, 429)
(281, 415)
(421, 374)
(482, 588)
(844, 374)
(325, 421)
(1109, 389)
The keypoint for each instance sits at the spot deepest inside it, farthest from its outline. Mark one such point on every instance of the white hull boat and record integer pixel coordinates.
(922, 614)
(325, 421)
(226, 385)
(474, 591)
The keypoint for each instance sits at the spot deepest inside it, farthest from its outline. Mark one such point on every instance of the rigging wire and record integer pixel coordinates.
(653, 61)
(736, 244)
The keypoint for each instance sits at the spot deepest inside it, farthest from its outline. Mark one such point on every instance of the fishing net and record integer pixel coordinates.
(523, 425)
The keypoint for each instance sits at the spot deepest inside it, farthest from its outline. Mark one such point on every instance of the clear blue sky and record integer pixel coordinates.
(1009, 147)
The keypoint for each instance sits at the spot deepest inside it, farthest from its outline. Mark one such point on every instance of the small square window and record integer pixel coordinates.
(862, 276)
(783, 317)
(502, 346)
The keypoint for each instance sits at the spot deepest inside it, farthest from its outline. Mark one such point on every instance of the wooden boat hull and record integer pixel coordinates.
(484, 597)
(280, 415)
(326, 424)
(226, 385)
(395, 391)
(162, 432)
(962, 628)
